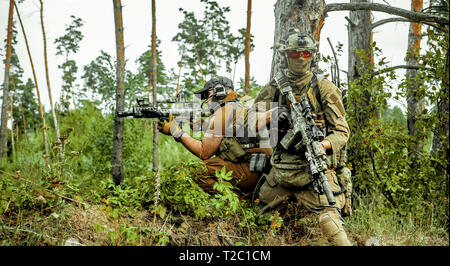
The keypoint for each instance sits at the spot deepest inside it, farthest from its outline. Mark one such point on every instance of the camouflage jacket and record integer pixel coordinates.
(328, 105)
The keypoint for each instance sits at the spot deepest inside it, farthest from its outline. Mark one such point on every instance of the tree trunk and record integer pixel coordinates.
(247, 47)
(154, 79)
(12, 124)
(117, 163)
(306, 15)
(44, 126)
(413, 98)
(155, 129)
(359, 36)
(23, 120)
(180, 66)
(4, 119)
(55, 121)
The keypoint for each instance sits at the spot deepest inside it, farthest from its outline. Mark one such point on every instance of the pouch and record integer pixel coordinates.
(259, 162)
(231, 150)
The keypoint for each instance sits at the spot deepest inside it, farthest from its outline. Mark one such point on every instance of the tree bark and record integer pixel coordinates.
(117, 162)
(306, 15)
(154, 79)
(155, 129)
(44, 126)
(359, 36)
(5, 103)
(414, 98)
(55, 120)
(247, 47)
(12, 123)
(23, 120)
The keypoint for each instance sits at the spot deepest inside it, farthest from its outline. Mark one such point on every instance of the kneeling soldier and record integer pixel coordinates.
(225, 144)
(289, 177)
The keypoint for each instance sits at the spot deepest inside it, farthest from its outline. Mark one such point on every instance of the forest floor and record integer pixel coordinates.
(94, 225)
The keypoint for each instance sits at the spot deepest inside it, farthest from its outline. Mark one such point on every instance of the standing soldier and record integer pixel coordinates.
(222, 144)
(289, 177)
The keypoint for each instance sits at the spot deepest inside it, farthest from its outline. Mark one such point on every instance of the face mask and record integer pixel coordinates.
(299, 66)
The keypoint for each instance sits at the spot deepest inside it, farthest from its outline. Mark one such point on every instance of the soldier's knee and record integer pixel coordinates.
(332, 227)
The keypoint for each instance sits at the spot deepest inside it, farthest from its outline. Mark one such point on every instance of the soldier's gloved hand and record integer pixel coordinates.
(170, 127)
(319, 149)
(284, 118)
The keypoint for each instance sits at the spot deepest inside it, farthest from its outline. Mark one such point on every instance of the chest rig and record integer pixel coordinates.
(311, 91)
(238, 137)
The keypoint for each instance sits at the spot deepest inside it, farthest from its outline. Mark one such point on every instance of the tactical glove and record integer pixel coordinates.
(170, 127)
(284, 118)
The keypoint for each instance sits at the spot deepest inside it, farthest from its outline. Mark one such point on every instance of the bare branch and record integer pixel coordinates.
(413, 16)
(350, 21)
(400, 19)
(388, 69)
(389, 20)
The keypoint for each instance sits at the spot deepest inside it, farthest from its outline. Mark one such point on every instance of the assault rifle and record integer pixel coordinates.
(184, 111)
(305, 134)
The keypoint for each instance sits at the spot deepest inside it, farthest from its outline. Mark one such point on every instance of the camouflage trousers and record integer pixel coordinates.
(329, 218)
(243, 178)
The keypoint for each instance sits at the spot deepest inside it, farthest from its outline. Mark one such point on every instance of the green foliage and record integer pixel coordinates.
(99, 78)
(206, 45)
(68, 45)
(166, 80)
(380, 150)
(393, 191)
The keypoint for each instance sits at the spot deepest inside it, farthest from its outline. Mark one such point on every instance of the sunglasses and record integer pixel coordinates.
(297, 54)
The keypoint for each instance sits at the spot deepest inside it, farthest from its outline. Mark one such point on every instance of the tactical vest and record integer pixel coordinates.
(292, 166)
(312, 92)
(238, 147)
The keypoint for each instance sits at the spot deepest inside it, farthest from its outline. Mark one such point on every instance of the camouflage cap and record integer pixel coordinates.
(296, 40)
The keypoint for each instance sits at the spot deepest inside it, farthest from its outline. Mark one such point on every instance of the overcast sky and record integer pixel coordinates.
(99, 34)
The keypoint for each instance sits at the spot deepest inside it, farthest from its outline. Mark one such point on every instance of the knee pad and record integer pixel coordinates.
(329, 225)
(332, 228)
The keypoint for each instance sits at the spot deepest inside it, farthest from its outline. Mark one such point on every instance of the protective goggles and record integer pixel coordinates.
(297, 54)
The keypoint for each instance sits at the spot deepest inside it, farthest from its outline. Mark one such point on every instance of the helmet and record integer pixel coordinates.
(296, 40)
(219, 84)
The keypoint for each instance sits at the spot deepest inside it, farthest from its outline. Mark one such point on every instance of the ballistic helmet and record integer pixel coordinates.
(296, 40)
(218, 84)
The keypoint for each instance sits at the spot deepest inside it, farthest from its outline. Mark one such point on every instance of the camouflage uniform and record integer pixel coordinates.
(288, 177)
